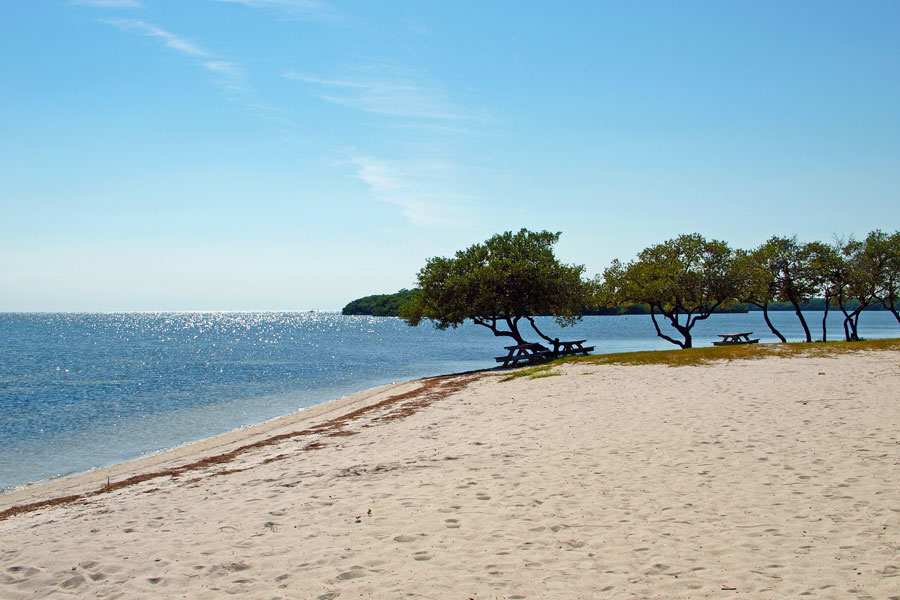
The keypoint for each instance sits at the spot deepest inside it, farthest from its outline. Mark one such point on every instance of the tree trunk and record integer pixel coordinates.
(889, 304)
(765, 309)
(684, 330)
(824, 319)
(660, 333)
(554, 342)
(851, 325)
(849, 331)
(513, 328)
(513, 325)
(802, 320)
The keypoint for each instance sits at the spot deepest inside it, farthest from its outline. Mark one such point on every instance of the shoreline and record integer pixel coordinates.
(766, 476)
(217, 449)
(309, 412)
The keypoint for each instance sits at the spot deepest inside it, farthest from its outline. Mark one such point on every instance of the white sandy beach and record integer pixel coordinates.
(768, 478)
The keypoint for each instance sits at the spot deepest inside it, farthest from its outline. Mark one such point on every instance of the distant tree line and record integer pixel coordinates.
(379, 305)
(686, 279)
(513, 277)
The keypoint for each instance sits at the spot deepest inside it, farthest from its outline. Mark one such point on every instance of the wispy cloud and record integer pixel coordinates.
(228, 75)
(390, 91)
(107, 3)
(168, 39)
(424, 190)
(224, 67)
(301, 10)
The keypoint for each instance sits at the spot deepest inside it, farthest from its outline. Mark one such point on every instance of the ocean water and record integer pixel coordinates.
(79, 391)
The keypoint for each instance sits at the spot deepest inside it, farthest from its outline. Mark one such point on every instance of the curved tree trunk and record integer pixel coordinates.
(889, 304)
(849, 333)
(513, 325)
(851, 325)
(824, 319)
(554, 342)
(802, 320)
(684, 330)
(765, 311)
(661, 334)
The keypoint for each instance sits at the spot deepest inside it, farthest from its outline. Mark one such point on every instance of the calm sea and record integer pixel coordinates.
(79, 391)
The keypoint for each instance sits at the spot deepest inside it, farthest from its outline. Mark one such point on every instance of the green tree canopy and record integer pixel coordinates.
(684, 279)
(497, 284)
(885, 248)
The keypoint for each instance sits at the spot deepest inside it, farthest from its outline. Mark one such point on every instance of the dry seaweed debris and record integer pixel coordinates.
(403, 405)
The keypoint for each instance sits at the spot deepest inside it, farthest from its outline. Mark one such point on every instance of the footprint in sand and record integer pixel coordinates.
(353, 573)
(23, 571)
(452, 523)
(72, 582)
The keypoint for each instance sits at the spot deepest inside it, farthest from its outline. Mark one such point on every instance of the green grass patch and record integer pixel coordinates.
(706, 355)
(547, 374)
(532, 373)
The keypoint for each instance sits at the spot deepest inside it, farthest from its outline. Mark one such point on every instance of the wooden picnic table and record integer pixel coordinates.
(729, 339)
(570, 348)
(537, 352)
(524, 353)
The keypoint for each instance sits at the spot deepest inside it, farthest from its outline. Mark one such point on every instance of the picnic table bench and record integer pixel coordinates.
(537, 352)
(570, 348)
(729, 339)
(524, 353)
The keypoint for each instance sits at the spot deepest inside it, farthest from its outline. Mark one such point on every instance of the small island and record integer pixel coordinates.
(379, 305)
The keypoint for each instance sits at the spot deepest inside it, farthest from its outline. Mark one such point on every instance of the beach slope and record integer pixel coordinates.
(774, 477)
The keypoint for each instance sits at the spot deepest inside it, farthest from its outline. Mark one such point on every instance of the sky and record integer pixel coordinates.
(297, 154)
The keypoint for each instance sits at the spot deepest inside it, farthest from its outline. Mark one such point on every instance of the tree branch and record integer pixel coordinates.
(660, 333)
(540, 333)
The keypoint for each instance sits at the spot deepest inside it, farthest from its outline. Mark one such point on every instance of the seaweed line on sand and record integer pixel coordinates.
(431, 390)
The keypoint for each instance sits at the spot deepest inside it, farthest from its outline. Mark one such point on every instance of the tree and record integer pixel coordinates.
(497, 284)
(871, 274)
(794, 283)
(684, 279)
(828, 273)
(757, 281)
(863, 271)
(887, 248)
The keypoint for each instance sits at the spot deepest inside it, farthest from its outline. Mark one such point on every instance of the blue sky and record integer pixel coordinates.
(297, 154)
